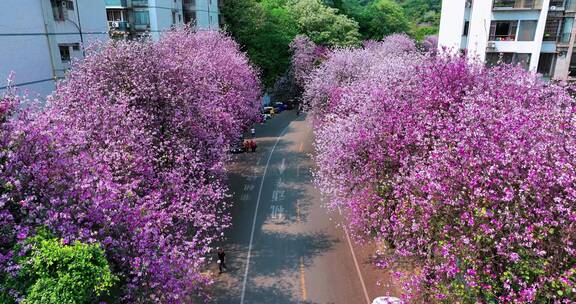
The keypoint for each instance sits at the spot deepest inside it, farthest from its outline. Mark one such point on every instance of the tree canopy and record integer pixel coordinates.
(265, 29)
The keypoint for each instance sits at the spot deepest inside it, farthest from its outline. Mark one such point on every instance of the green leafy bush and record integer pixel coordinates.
(51, 271)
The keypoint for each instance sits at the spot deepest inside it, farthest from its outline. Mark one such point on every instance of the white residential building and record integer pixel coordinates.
(137, 18)
(537, 34)
(39, 38)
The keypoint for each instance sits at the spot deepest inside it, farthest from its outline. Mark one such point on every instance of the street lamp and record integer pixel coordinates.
(78, 26)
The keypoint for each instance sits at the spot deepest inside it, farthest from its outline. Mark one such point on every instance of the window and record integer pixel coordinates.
(545, 64)
(572, 69)
(518, 3)
(567, 29)
(552, 28)
(70, 5)
(190, 17)
(76, 47)
(141, 18)
(189, 4)
(527, 30)
(521, 59)
(466, 28)
(59, 10)
(503, 30)
(64, 52)
(114, 15)
(173, 17)
(557, 3)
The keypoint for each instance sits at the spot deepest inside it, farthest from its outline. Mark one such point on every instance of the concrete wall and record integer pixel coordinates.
(24, 48)
(538, 38)
(161, 16)
(207, 14)
(29, 37)
(451, 24)
(480, 19)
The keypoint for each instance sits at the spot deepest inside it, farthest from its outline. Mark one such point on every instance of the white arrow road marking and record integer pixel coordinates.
(282, 167)
(278, 195)
(277, 212)
(245, 281)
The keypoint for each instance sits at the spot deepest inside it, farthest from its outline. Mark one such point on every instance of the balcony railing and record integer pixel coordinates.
(502, 38)
(120, 26)
(517, 4)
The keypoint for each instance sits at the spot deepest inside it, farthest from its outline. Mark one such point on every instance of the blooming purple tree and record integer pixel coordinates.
(466, 171)
(130, 153)
(305, 55)
(430, 43)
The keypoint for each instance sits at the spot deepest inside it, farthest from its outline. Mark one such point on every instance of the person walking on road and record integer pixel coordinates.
(253, 132)
(221, 260)
(253, 146)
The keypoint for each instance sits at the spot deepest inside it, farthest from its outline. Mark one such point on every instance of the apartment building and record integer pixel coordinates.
(128, 19)
(39, 38)
(536, 34)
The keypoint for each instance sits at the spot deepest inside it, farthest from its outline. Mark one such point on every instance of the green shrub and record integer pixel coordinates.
(54, 272)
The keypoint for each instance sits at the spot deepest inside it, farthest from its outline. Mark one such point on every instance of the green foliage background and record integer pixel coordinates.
(265, 28)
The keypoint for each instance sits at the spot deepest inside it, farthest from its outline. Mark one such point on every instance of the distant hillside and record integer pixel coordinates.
(423, 11)
(422, 16)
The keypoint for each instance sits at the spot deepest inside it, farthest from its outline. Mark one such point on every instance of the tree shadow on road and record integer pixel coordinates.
(273, 275)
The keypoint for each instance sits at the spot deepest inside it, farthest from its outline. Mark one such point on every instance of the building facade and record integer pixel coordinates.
(129, 19)
(39, 38)
(536, 34)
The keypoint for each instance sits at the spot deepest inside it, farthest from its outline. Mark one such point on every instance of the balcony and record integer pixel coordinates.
(517, 4)
(118, 26)
(116, 3)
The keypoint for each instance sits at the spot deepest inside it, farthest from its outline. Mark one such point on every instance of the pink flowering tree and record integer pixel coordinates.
(468, 172)
(430, 43)
(305, 56)
(130, 153)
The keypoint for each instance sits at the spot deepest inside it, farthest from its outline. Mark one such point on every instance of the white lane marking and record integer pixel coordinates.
(355, 261)
(248, 187)
(256, 214)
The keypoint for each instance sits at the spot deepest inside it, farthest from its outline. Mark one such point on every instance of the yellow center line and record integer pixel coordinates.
(301, 147)
(303, 291)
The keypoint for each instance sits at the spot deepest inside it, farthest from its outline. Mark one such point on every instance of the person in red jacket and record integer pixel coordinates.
(253, 146)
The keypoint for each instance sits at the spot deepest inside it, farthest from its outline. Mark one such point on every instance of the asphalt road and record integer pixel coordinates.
(284, 245)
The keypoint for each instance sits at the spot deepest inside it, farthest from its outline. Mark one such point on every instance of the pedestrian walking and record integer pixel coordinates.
(253, 145)
(246, 145)
(253, 132)
(221, 260)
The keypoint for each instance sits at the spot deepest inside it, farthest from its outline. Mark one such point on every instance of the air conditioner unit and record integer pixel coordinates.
(115, 24)
(491, 45)
(553, 8)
